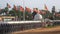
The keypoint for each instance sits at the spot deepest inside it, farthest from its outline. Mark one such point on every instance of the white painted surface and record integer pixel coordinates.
(38, 17)
(19, 22)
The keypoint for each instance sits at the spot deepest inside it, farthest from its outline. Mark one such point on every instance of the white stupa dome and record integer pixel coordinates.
(38, 17)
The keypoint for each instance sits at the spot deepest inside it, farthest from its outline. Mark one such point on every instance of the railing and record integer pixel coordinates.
(19, 26)
(11, 26)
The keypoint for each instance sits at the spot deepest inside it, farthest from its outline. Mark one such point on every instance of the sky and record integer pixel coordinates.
(32, 3)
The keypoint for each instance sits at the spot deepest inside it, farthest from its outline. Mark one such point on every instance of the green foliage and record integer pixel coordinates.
(6, 10)
(28, 15)
(12, 12)
(57, 18)
(48, 14)
(2, 11)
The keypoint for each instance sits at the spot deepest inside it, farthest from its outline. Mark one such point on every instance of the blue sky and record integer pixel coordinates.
(32, 3)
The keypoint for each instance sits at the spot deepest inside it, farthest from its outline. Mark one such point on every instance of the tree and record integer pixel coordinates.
(53, 11)
(33, 14)
(12, 13)
(28, 15)
(35, 10)
(6, 10)
(2, 11)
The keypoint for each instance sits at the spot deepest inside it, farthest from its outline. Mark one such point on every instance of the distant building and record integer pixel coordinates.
(57, 14)
(7, 18)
